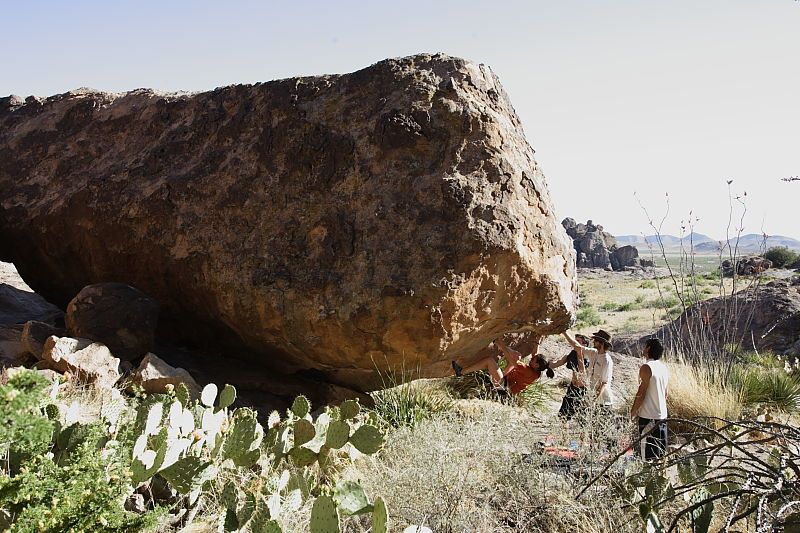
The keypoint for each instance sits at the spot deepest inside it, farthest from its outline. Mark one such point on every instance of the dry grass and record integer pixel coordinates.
(692, 393)
(481, 468)
(628, 304)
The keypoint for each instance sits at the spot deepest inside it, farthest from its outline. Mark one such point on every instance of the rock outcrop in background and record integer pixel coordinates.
(392, 216)
(596, 248)
(762, 317)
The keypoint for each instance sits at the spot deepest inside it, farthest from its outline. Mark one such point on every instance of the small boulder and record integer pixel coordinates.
(11, 349)
(154, 374)
(118, 315)
(35, 334)
(91, 361)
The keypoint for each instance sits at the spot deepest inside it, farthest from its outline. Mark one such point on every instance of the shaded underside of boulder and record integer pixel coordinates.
(117, 315)
(342, 223)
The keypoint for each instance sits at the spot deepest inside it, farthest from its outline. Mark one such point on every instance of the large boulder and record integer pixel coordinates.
(750, 265)
(344, 223)
(625, 256)
(18, 306)
(118, 315)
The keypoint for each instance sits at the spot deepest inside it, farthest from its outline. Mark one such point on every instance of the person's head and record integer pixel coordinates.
(602, 340)
(540, 364)
(583, 340)
(653, 349)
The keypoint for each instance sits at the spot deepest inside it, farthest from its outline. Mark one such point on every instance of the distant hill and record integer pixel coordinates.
(670, 241)
(750, 243)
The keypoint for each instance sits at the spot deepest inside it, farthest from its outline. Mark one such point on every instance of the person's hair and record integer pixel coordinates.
(656, 349)
(542, 365)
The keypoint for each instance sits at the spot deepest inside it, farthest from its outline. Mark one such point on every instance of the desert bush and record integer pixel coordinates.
(781, 256)
(729, 476)
(647, 284)
(587, 316)
(25, 430)
(59, 478)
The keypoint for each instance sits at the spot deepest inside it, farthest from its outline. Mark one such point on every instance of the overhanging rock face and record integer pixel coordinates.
(392, 216)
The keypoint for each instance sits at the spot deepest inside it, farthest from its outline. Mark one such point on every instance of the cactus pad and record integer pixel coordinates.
(380, 516)
(230, 498)
(338, 433)
(208, 395)
(243, 438)
(302, 456)
(324, 516)
(367, 439)
(182, 394)
(303, 432)
(351, 499)
(52, 411)
(301, 406)
(349, 409)
(186, 474)
(227, 396)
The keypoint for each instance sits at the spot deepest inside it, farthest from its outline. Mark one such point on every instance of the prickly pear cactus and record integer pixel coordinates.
(351, 498)
(301, 407)
(338, 434)
(349, 409)
(227, 397)
(187, 474)
(367, 439)
(380, 516)
(302, 456)
(182, 394)
(324, 516)
(52, 412)
(244, 437)
(304, 431)
(208, 395)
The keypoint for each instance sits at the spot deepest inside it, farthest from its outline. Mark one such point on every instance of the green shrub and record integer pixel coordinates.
(781, 256)
(59, 479)
(587, 316)
(662, 302)
(534, 396)
(408, 404)
(82, 492)
(25, 430)
(647, 284)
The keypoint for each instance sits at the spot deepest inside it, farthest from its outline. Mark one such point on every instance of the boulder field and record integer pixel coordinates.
(394, 216)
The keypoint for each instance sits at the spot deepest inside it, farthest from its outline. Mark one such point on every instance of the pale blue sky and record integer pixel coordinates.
(616, 96)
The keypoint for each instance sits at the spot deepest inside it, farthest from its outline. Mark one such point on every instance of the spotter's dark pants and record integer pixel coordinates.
(655, 443)
(572, 401)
